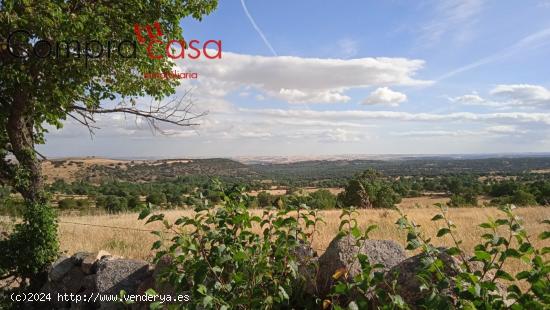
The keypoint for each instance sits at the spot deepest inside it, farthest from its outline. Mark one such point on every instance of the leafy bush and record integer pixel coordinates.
(468, 198)
(112, 203)
(67, 203)
(477, 282)
(224, 264)
(321, 199)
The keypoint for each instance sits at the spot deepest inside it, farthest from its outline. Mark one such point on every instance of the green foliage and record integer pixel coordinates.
(219, 258)
(156, 198)
(321, 199)
(32, 245)
(224, 264)
(476, 282)
(468, 198)
(112, 203)
(369, 190)
(37, 91)
(67, 203)
(265, 199)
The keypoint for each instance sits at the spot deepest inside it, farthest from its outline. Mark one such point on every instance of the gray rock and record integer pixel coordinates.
(79, 257)
(307, 261)
(341, 255)
(405, 274)
(89, 282)
(88, 263)
(73, 280)
(59, 268)
(112, 276)
(52, 289)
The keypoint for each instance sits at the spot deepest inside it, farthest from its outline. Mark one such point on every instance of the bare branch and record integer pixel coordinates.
(176, 111)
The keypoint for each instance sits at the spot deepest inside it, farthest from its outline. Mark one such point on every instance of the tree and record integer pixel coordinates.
(322, 199)
(355, 195)
(265, 199)
(369, 190)
(156, 198)
(73, 78)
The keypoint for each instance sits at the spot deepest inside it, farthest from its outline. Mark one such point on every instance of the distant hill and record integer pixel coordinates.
(98, 169)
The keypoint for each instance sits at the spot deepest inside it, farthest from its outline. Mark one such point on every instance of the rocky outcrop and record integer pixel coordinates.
(84, 274)
(405, 274)
(341, 255)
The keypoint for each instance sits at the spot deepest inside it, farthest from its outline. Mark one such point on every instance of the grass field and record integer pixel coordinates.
(137, 243)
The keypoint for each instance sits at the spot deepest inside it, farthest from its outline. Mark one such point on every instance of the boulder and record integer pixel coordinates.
(307, 261)
(59, 268)
(114, 275)
(72, 282)
(341, 255)
(88, 262)
(406, 276)
(52, 289)
(79, 257)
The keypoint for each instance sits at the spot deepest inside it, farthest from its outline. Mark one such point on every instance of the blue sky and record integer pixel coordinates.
(354, 77)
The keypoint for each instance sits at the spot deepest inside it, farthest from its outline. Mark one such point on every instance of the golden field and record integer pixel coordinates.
(136, 244)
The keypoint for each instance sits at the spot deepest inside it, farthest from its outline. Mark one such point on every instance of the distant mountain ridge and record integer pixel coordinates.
(94, 169)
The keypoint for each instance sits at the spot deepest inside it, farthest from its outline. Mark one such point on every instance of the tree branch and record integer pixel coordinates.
(177, 111)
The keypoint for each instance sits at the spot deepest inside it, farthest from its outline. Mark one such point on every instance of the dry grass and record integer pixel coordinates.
(136, 244)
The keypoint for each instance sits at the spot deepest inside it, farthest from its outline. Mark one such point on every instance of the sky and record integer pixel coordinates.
(310, 77)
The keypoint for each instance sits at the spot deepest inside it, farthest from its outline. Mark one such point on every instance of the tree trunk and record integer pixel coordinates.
(20, 129)
(34, 244)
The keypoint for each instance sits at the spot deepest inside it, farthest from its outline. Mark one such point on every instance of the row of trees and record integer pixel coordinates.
(369, 189)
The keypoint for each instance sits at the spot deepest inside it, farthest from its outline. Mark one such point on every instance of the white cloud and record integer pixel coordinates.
(523, 94)
(492, 131)
(506, 129)
(474, 99)
(509, 95)
(386, 96)
(301, 80)
(355, 115)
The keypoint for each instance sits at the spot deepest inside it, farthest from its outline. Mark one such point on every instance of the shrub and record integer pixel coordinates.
(265, 199)
(67, 203)
(322, 199)
(477, 282)
(468, 198)
(156, 198)
(224, 264)
(112, 203)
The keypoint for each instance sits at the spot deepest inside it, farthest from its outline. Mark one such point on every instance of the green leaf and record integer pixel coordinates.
(443, 231)
(156, 245)
(486, 225)
(544, 235)
(144, 213)
(523, 275)
(504, 275)
(356, 232)
(201, 289)
(482, 255)
(453, 251)
(437, 217)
